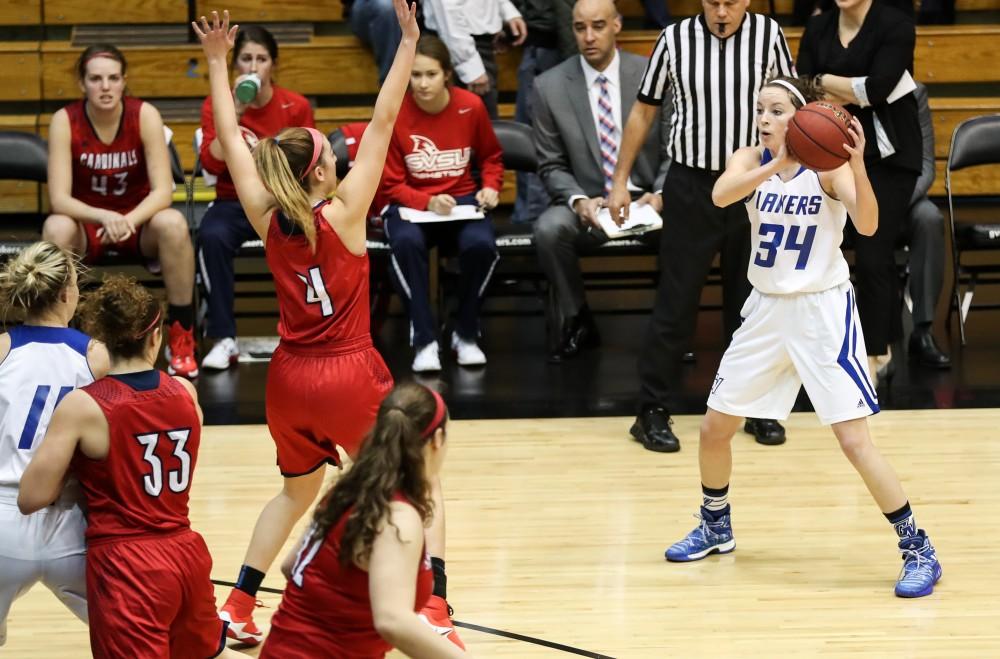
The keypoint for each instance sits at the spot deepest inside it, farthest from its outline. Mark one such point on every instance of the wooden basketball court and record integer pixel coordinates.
(556, 531)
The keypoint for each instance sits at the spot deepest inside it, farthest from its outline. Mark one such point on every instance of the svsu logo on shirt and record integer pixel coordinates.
(426, 161)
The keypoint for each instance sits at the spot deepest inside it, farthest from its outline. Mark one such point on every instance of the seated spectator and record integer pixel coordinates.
(225, 226)
(550, 41)
(374, 22)
(923, 230)
(438, 130)
(110, 190)
(569, 107)
(470, 31)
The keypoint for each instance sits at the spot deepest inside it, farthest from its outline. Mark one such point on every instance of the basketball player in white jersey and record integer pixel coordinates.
(41, 361)
(800, 328)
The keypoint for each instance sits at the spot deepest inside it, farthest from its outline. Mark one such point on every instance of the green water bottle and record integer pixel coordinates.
(246, 90)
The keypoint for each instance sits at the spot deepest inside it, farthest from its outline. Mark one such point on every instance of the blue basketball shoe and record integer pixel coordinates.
(713, 535)
(921, 569)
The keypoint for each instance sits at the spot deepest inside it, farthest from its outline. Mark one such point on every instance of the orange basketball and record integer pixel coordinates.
(817, 134)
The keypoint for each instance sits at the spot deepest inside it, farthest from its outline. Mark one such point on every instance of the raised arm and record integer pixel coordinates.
(743, 174)
(392, 579)
(358, 188)
(217, 40)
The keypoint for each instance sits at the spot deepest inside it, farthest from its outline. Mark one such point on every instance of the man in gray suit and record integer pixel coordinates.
(580, 107)
(924, 232)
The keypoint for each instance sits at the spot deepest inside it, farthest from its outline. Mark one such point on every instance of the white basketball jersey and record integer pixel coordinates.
(44, 364)
(796, 230)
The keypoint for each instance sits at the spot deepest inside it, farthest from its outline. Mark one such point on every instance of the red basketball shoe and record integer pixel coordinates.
(437, 614)
(238, 612)
(180, 352)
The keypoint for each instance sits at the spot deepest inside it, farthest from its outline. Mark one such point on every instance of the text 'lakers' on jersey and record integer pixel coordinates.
(43, 365)
(795, 233)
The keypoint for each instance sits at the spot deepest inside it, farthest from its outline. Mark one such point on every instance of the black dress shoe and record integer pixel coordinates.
(652, 429)
(579, 332)
(925, 350)
(766, 431)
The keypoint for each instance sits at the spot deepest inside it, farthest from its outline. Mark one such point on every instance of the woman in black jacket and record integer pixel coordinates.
(857, 54)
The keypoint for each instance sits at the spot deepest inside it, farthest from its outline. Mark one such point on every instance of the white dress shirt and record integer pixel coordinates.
(455, 21)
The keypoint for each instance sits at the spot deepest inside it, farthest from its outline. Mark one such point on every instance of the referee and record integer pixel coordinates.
(715, 64)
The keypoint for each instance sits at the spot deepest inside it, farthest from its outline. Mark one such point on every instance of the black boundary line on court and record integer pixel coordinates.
(479, 628)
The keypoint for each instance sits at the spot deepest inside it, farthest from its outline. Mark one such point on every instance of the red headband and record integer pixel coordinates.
(156, 319)
(318, 139)
(440, 411)
(103, 53)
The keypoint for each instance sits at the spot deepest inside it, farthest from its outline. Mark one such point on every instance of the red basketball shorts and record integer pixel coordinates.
(153, 597)
(127, 251)
(321, 397)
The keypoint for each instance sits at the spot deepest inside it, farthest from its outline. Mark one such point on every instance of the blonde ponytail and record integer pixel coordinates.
(32, 281)
(276, 159)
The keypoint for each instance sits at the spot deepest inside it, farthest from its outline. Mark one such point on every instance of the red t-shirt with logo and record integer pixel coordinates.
(430, 154)
(286, 109)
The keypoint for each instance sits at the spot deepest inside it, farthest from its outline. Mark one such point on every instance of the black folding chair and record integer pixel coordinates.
(975, 142)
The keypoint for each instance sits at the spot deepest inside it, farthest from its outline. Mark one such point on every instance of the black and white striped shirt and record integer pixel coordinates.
(715, 84)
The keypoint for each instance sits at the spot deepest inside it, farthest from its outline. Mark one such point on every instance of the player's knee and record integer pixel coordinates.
(61, 230)
(853, 445)
(715, 430)
(171, 228)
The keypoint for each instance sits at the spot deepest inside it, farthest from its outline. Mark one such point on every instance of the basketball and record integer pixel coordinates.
(817, 134)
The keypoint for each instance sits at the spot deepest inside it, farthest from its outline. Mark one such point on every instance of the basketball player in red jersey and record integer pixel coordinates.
(362, 571)
(326, 380)
(110, 190)
(131, 439)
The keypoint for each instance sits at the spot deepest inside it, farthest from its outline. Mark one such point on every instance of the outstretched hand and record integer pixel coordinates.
(406, 14)
(218, 38)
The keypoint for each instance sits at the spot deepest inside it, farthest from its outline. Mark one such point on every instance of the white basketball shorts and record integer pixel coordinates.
(47, 546)
(787, 341)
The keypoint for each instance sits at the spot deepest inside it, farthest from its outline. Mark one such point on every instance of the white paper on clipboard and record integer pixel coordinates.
(465, 212)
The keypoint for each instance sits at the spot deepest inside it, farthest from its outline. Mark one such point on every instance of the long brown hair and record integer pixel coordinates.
(121, 313)
(391, 461)
(431, 46)
(282, 163)
(32, 281)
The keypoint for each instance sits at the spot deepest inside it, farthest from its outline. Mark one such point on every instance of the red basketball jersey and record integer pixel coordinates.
(142, 486)
(322, 296)
(111, 176)
(326, 608)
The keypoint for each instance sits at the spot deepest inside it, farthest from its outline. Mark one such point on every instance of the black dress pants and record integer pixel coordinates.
(694, 231)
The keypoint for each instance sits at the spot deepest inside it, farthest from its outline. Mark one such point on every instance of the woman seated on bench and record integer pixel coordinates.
(110, 190)
(428, 168)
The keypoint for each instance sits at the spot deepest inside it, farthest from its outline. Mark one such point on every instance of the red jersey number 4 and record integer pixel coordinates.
(316, 292)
